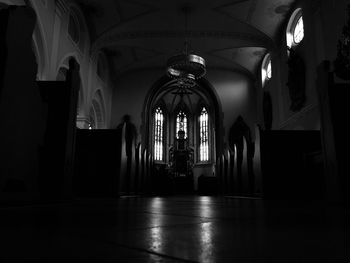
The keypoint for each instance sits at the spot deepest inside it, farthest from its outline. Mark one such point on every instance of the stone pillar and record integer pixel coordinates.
(21, 108)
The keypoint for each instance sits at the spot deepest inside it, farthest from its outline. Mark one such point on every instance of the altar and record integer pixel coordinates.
(181, 163)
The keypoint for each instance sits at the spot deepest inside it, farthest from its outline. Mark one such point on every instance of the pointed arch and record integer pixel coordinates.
(203, 123)
(159, 127)
(266, 69)
(182, 106)
(77, 25)
(295, 29)
(164, 89)
(40, 43)
(181, 124)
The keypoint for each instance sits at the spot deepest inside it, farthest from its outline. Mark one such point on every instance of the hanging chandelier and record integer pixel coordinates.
(187, 67)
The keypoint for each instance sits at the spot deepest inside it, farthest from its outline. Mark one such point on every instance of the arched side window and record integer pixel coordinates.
(181, 124)
(298, 33)
(266, 69)
(204, 135)
(295, 29)
(158, 134)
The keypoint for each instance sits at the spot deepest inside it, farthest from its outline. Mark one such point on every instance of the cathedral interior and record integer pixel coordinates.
(174, 131)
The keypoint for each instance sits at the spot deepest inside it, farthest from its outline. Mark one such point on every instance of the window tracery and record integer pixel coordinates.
(181, 124)
(158, 134)
(204, 135)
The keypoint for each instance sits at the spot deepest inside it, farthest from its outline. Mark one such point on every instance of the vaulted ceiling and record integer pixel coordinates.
(229, 34)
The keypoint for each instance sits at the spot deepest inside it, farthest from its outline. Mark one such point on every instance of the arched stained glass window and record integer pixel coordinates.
(298, 33)
(266, 69)
(158, 134)
(269, 69)
(295, 29)
(181, 123)
(203, 136)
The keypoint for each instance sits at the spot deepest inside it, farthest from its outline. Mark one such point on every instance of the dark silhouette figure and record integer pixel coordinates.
(130, 133)
(130, 137)
(238, 131)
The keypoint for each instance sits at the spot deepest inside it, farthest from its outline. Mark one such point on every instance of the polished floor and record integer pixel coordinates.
(175, 229)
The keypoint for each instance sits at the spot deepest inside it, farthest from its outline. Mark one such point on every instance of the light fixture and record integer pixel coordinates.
(187, 67)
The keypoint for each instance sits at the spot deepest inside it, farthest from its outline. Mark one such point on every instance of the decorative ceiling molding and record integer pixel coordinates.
(113, 39)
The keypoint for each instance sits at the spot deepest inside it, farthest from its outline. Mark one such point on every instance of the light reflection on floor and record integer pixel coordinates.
(157, 223)
(176, 229)
(205, 230)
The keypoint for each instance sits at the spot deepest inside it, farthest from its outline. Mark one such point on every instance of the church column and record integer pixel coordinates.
(60, 10)
(21, 107)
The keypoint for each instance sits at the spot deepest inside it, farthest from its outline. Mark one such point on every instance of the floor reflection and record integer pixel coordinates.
(205, 208)
(156, 234)
(206, 231)
(177, 229)
(206, 243)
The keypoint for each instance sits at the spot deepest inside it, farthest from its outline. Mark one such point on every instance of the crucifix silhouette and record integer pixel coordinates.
(181, 92)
